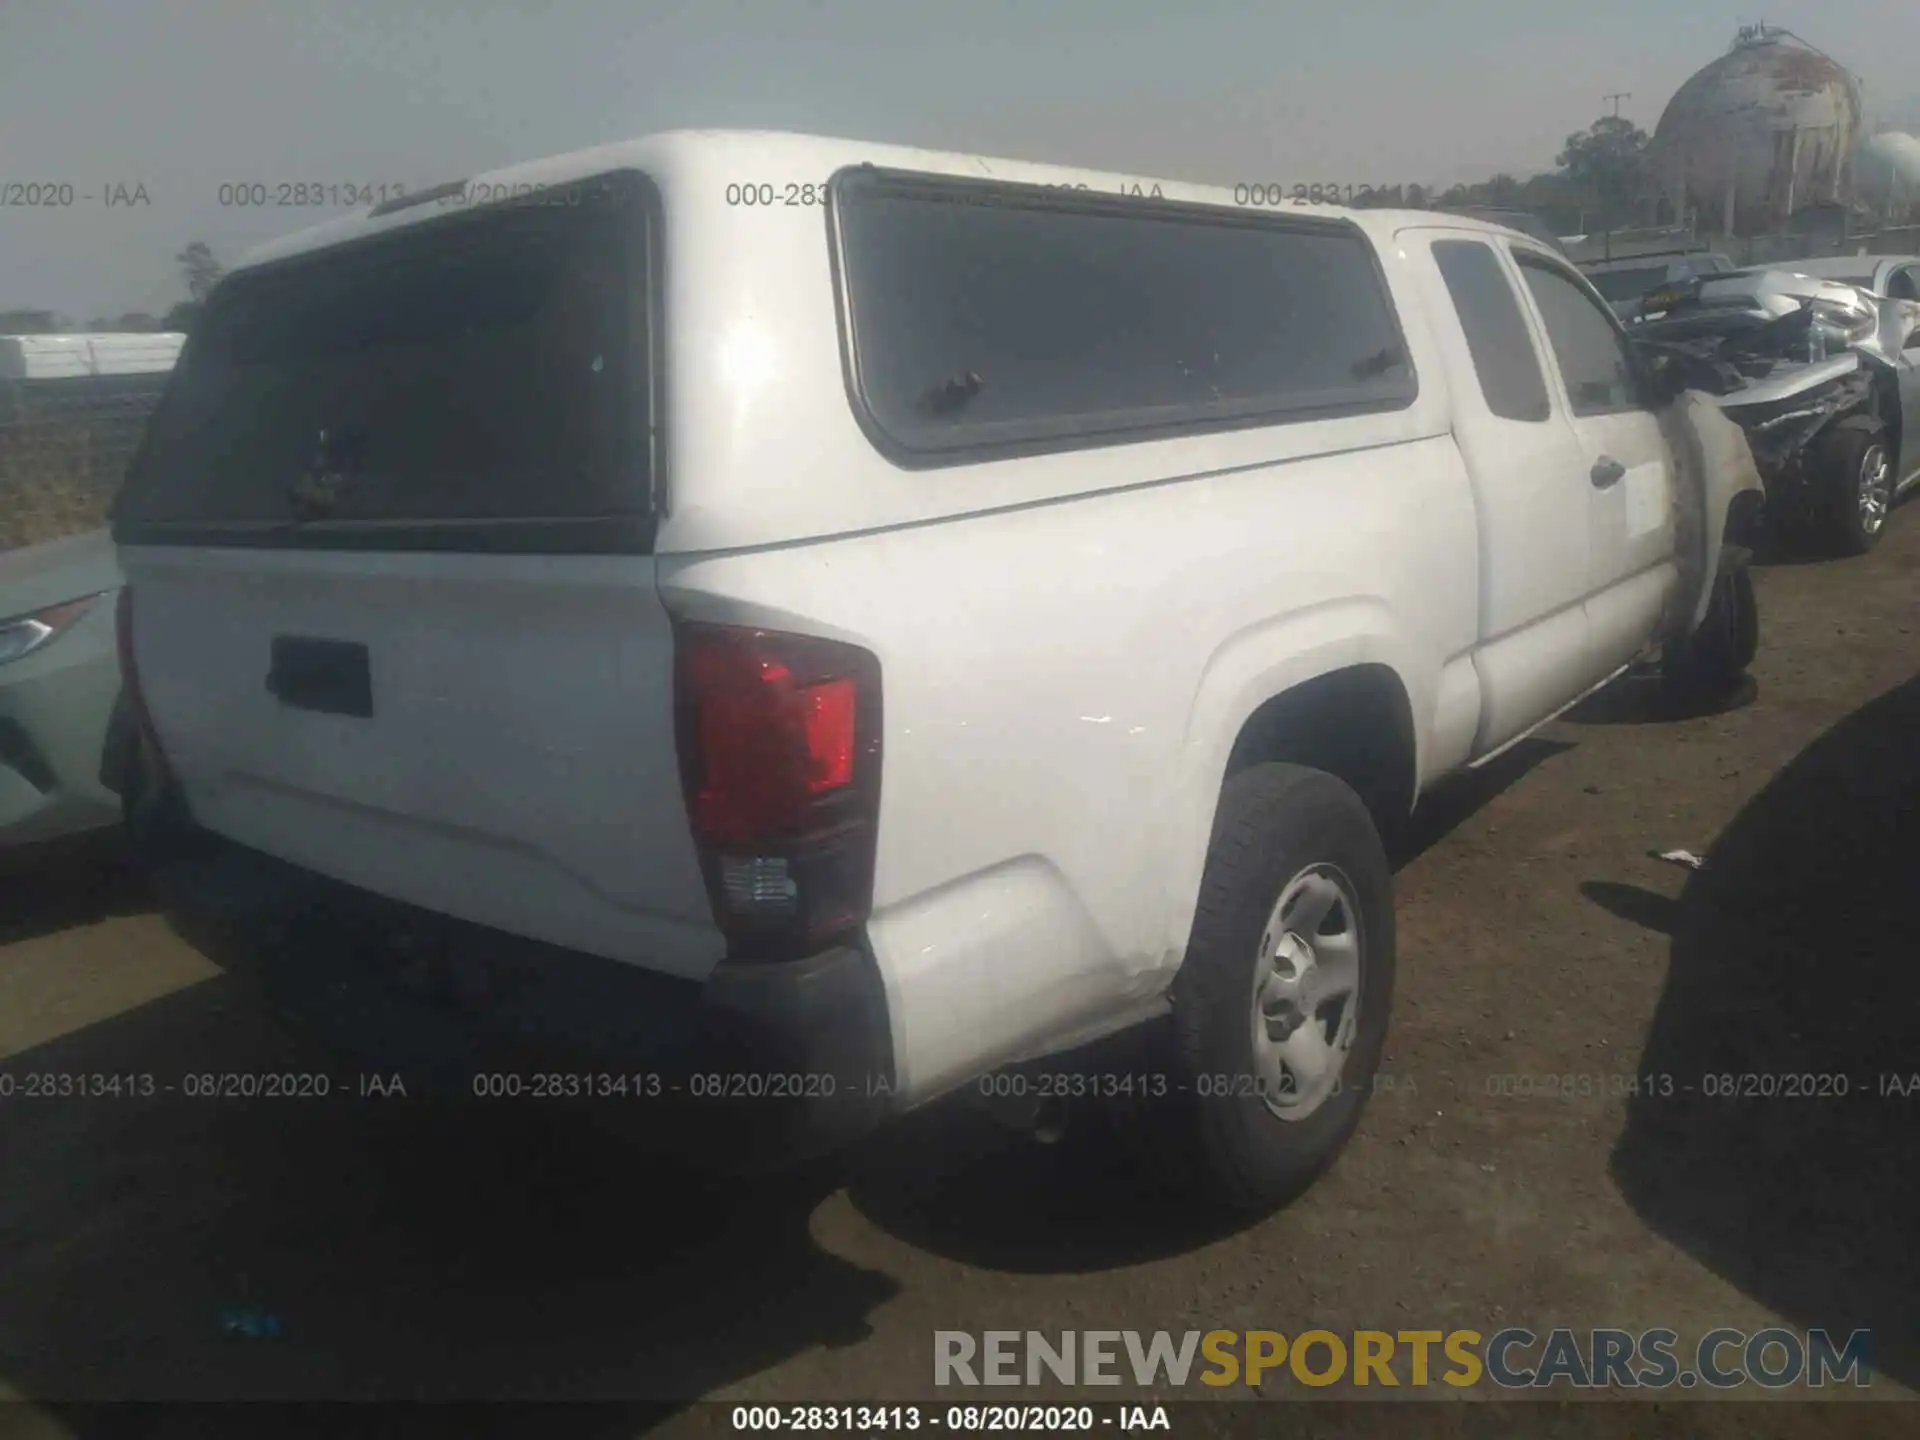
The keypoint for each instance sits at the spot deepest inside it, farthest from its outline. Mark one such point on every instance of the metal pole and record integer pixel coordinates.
(1793, 169)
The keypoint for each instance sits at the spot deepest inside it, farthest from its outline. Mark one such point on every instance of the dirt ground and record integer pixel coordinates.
(410, 1252)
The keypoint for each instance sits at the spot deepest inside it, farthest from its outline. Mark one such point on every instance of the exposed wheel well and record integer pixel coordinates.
(1744, 517)
(1354, 723)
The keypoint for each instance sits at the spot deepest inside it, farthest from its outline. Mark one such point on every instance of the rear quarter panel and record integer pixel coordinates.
(1069, 643)
(1062, 686)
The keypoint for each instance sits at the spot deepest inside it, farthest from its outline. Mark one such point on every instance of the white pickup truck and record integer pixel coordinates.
(813, 624)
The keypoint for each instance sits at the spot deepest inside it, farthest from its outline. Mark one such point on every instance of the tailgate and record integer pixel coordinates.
(395, 613)
(515, 762)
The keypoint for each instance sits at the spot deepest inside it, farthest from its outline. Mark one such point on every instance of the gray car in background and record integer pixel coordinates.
(59, 681)
(1895, 276)
(73, 408)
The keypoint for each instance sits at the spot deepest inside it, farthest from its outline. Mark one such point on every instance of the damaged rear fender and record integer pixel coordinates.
(1717, 495)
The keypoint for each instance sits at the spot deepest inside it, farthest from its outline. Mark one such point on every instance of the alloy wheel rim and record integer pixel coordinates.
(1875, 488)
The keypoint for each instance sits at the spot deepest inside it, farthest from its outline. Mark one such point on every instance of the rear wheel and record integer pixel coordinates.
(1856, 466)
(1280, 1009)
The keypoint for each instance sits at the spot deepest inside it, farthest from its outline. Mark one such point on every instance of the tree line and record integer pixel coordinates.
(199, 271)
(1601, 180)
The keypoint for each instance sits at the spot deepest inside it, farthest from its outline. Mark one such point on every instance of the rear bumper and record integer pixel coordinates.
(759, 1067)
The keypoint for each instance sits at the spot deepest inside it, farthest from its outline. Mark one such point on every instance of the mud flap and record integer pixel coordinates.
(121, 750)
(1713, 468)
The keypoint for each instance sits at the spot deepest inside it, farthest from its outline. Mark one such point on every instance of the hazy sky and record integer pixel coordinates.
(181, 95)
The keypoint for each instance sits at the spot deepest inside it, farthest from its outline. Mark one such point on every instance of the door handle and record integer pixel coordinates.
(1606, 471)
(330, 676)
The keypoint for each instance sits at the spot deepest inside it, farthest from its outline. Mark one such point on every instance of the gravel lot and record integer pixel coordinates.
(414, 1252)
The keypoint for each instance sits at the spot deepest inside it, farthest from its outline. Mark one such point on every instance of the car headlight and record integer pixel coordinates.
(25, 634)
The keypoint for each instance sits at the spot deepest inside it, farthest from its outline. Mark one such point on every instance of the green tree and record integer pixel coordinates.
(1609, 161)
(202, 271)
(1502, 192)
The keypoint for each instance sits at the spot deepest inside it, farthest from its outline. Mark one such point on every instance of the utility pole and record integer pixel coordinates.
(1616, 98)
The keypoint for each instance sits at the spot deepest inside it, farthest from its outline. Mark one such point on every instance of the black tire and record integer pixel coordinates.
(1708, 664)
(1275, 824)
(1797, 529)
(1845, 459)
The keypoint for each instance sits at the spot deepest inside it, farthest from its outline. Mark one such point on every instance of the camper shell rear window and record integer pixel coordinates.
(484, 379)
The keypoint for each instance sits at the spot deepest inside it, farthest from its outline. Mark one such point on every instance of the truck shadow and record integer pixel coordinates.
(377, 1248)
(1637, 698)
(1792, 963)
(414, 1251)
(56, 885)
(1460, 797)
(959, 1184)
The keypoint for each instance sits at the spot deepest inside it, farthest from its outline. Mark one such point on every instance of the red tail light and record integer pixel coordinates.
(779, 740)
(130, 683)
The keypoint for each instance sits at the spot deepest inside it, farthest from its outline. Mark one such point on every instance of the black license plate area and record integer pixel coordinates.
(333, 677)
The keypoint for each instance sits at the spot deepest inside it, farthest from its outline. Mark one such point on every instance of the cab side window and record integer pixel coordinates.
(1902, 286)
(1496, 332)
(1596, 360)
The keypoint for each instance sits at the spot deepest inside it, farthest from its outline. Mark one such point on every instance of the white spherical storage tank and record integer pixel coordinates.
(1767, 129)
(1887, 169)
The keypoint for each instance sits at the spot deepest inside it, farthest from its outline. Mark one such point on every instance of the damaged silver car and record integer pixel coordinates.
(1823, 376)
(1624, 283)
